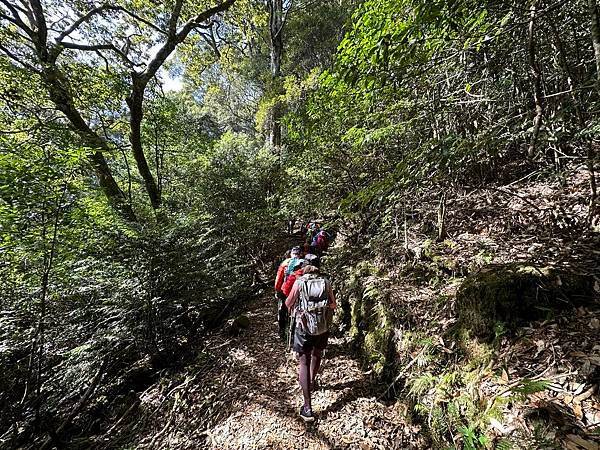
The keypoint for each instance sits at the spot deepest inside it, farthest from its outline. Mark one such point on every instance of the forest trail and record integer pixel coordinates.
(262, 383)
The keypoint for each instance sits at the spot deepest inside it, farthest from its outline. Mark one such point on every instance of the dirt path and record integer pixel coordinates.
(265, 397)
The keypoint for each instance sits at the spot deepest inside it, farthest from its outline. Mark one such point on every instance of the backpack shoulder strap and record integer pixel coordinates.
(303, 290)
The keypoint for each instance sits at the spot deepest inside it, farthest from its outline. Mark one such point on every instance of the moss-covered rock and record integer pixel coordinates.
(364, 292)
(355, 316)
(514, 293)
(371, 325)
(377, 341)
(238, 324)
(241, 321)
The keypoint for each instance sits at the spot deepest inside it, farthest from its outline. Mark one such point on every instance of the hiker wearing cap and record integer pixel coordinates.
(311, 259)
(297, 271)
(282, 273)
(311, 303)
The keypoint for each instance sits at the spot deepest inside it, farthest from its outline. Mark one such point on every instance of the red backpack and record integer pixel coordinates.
(289, 282)
(322, 242)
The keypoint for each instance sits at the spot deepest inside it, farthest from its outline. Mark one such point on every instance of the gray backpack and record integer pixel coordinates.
(314, 315)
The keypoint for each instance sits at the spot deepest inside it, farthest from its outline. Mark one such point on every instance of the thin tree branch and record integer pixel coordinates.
(42, 30)
(26, 9)
(174, 19)
(174, 39)
(88, 47)
(97, 47)
(284, 18)
(106, 7)
(79, 21)
(14, 6)
(18, 60)
(202, 17)
(138, 18)
(16, 18)
(210, 40)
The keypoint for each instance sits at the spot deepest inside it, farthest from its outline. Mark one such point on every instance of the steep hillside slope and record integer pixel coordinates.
(490, 337)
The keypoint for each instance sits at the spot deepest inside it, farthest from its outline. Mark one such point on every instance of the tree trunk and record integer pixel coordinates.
(591, 154)
(562, 60)
(60, 95)
(158, 160)
(116, 197)
(536, 78)
(276, 24)
(48, 262)
(135, 102)
(276, 33)
(404, 215)
(595, 30)
(63, 101)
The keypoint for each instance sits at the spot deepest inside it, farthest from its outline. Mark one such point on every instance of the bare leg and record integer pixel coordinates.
(304, 377)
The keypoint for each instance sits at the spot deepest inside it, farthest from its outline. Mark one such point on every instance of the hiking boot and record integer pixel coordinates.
(307, 414)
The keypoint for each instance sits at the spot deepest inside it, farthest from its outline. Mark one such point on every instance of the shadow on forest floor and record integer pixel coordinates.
(243, 393)
(265, 410)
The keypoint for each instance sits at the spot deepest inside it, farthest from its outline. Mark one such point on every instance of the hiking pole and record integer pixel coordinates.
(320, 371)
(291, 330)
(323, 359)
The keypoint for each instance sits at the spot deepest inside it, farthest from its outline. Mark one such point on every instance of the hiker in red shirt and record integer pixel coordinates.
(311, 303)
(282, 313)
(291, 279)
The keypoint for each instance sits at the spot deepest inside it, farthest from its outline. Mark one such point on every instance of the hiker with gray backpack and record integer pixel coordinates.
(311, 303)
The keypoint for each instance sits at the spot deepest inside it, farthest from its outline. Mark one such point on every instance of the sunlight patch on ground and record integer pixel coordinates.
(263, 411)
(258, 426)
(241, 355)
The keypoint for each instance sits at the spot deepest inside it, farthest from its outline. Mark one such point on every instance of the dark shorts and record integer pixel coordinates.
(305, 343)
